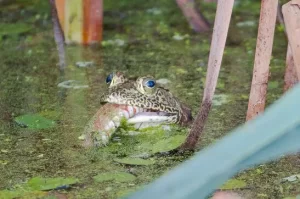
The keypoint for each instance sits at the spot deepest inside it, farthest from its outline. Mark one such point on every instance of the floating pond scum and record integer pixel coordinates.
(269, 136)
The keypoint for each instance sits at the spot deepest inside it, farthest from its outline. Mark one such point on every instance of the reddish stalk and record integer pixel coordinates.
(291, 14)
(290, 76)
(222, 20)
(263, 53)
(196, 20)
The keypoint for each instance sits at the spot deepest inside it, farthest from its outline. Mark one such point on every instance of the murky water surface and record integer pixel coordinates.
(139, 39)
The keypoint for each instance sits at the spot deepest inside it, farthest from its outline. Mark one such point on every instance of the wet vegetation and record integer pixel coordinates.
(139, 38)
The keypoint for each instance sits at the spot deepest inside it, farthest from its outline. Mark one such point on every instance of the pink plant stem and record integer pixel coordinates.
(263, 52)
(222, 20)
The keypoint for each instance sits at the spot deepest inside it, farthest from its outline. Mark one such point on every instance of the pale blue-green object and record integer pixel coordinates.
(271, 135)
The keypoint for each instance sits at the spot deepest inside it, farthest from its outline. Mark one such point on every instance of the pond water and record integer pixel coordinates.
(139, 39)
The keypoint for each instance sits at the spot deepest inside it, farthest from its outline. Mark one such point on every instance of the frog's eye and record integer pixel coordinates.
(150, 83)
(146, 85)
(109, 78)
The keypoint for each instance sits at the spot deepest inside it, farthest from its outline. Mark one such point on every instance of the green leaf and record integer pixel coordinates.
(39, 183)
(9, 194)
(117, 176)
(134, 161)
(234, 184)
(5, 194)
(34, 121)
(168, 144)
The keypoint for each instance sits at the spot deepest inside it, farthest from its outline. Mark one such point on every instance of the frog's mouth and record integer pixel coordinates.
(142, 114)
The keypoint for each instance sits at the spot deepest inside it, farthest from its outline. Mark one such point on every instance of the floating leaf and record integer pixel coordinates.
(234, 184)
(42, 184)
(34, 121)
(134, 161)
(117, 176)
(168, 144)
(20, 193)
(9, 194)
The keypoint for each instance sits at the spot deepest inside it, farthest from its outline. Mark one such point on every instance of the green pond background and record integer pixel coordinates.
(140, 37)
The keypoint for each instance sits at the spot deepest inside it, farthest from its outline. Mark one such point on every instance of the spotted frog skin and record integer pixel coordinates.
(143, 92)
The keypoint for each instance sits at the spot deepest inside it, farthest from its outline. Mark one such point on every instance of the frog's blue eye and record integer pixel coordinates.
(150, 83)
(109, 78)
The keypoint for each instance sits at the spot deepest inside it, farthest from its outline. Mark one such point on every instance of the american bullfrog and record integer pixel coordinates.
(139, 101)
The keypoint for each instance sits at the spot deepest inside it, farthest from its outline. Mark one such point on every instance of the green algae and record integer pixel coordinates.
(134, 161)
(13, 29)
(233, 184)
(29, 79)
(5, 194)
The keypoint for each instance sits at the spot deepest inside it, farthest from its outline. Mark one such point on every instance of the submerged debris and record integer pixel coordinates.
(179, 37)
(116, 42)
(71, 84)
(84, 64)
(246, 24)
(154, 11)
(220, 99)
(163, 81)
(291, 178)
